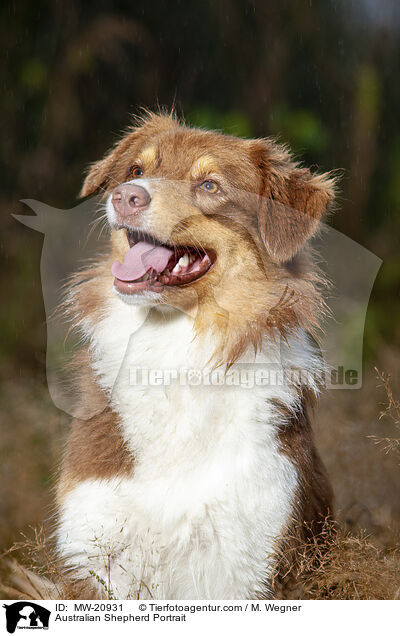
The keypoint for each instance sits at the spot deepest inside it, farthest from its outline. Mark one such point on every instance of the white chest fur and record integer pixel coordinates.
(211, 492)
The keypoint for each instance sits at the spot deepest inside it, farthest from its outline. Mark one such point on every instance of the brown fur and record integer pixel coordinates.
(95, 449)
(95, 446)
(262, 281)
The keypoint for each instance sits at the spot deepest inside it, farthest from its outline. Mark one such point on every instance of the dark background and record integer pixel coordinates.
(323, 76)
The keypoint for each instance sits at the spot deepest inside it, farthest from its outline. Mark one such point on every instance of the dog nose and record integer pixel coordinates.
(129, 198)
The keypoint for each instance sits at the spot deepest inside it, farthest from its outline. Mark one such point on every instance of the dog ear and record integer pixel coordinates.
(292, 204)
(113, 168)
(98, 176)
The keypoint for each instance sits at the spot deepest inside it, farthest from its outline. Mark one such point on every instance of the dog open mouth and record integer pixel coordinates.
(150, 265)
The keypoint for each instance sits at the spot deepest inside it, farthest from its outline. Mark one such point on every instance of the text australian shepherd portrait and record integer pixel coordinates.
(183, 487)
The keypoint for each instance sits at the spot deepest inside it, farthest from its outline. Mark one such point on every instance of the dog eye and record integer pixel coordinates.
(210, 187)
(136, 171)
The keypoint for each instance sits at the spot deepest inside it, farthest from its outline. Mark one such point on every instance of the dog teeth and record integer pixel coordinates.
(184, 260)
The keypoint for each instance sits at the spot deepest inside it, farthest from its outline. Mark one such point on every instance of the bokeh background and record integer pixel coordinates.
(323, 76)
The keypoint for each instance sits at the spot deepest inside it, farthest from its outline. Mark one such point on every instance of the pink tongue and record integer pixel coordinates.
(139, 259)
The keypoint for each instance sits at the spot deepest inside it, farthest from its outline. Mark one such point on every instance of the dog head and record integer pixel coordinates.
(201, 217)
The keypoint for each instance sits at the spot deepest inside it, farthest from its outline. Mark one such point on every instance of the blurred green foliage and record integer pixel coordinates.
(320, 76)
(231, 122)
(301, 129)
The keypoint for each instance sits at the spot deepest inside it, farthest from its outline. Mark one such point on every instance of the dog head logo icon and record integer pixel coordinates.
(26, 615)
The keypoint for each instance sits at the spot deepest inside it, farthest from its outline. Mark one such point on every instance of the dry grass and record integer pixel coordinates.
(41, 578)
(30, 570)
(347, 567)
(352, 568)
(390, 411)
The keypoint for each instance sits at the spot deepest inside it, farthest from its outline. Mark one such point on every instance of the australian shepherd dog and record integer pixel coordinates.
(199, 467)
